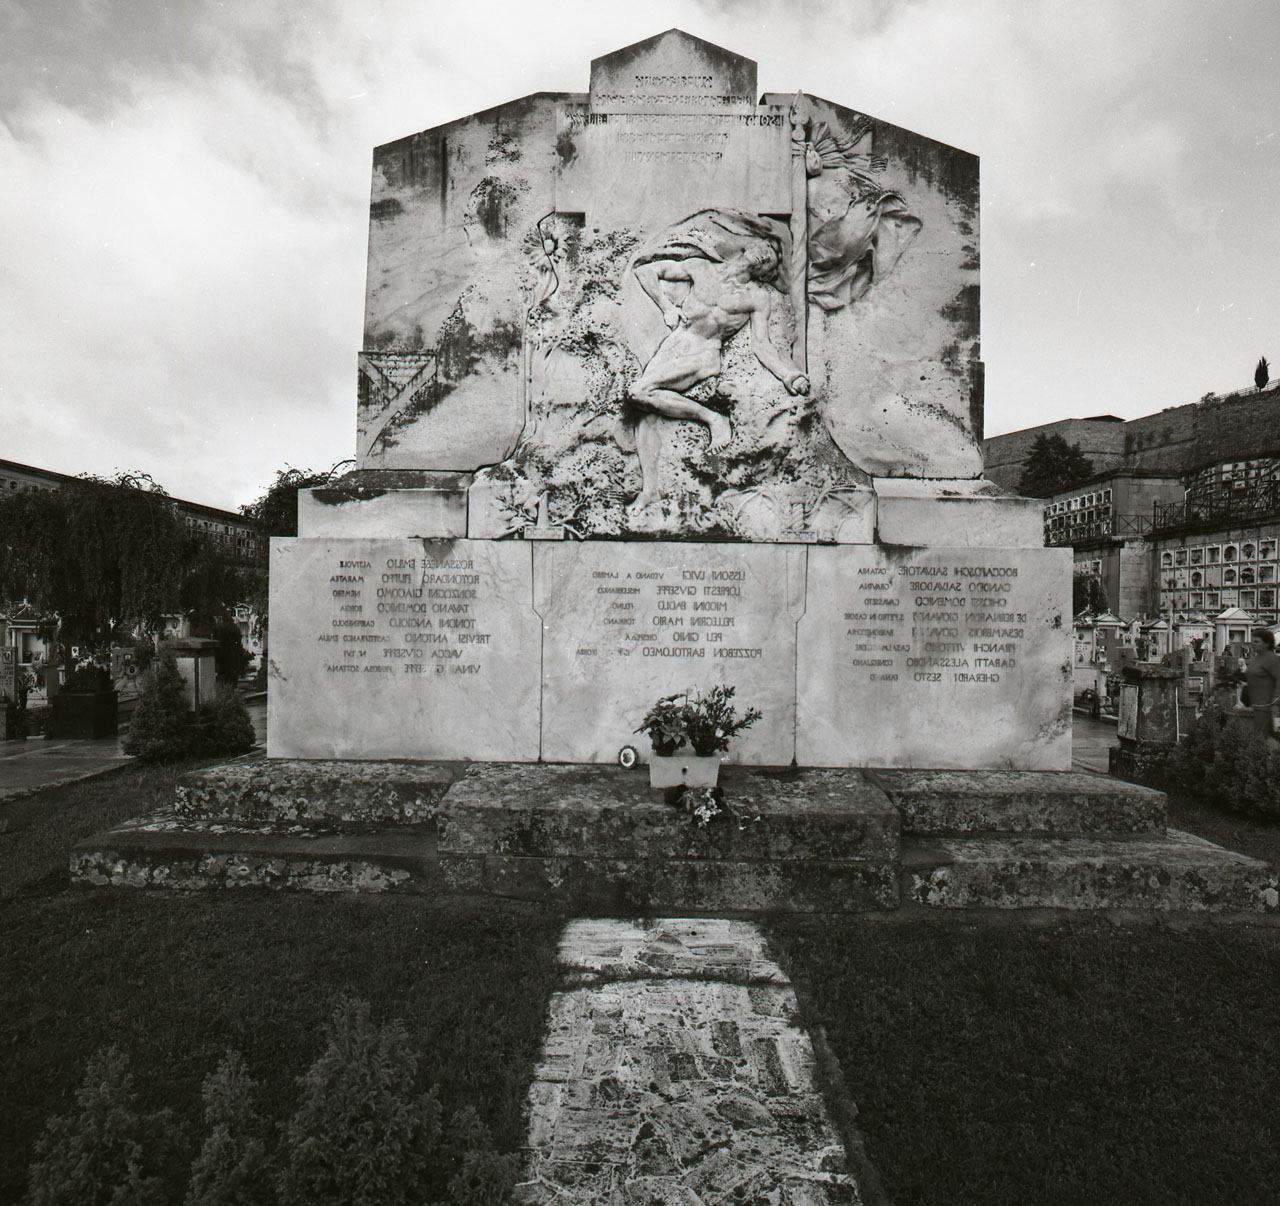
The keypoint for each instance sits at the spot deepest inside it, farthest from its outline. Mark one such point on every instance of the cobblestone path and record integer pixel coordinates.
(673, 1073)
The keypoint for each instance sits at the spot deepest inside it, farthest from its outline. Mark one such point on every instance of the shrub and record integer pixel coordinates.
(1230, 766)
(359, 1135)
(233, 1168)
(223, 726)
(159, 730)
(164, 729)
(106, 1152)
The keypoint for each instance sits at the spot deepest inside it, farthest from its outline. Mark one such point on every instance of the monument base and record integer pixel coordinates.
(553, 651)
(598, 839)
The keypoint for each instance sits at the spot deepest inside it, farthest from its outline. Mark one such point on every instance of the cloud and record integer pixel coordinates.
(183, 192)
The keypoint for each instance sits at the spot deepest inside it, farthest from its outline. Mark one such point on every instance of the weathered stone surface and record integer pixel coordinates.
(687, 885)
(1148, 765)
(1175, 872)
(600, 949)
(628, 623)
(402, 649)
(955, 514)
(434, 513)
(678, 1090)
(577, 811)
(527, 266)
(936, 657)
(959, 803)
(283, 790)
(442, 375)
(170, 852)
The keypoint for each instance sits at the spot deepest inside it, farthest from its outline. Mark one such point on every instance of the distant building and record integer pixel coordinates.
(1173, 442)
(1181, 522)
(234, 536)
(1105, 521)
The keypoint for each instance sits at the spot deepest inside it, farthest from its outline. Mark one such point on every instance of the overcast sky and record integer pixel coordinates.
(184, 191)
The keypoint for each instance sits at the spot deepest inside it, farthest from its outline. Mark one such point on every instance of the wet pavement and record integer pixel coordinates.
(39, 763)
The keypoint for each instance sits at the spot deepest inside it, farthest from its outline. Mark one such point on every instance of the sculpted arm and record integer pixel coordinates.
(651, 277)
(780, 365)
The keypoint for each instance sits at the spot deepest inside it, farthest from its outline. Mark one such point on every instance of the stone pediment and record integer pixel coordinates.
(678, 68)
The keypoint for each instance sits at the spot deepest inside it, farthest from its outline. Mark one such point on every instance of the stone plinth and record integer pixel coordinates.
(423, 649)
(308, 792)
(960, 514)
(1177, 872)
(626, 624)
(600, 837)
(1025, 803)
(935, 658)
(438, 512)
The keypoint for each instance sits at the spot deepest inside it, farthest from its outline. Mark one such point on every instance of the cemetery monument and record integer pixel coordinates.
(667, 385)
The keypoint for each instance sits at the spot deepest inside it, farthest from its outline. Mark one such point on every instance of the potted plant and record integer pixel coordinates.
(705, 724)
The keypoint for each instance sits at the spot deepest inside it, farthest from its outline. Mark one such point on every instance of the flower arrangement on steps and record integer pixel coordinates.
(703, 723)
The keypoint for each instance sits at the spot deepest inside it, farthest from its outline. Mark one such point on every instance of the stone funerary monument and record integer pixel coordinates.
(667, 385)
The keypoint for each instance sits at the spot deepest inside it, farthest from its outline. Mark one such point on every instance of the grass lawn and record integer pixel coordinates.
(1077, 1063)
(176, 978)
(1261, 839)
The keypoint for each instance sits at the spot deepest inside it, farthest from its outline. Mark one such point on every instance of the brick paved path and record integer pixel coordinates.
(673, 1073)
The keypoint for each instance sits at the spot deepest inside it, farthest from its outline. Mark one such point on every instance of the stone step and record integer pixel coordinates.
(1177, 871)
(254, 788)
(698, 887)
(170, 851)
(783, 815)
(599, 837)
(951, 803)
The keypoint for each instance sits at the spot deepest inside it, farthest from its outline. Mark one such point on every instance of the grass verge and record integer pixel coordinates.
(1261, 839)
(175, 979)
(1081, 1062)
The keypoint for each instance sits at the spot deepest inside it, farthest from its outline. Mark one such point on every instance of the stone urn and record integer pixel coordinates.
(683, 770)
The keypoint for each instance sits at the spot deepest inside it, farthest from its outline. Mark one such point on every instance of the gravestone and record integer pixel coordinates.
(667, 385)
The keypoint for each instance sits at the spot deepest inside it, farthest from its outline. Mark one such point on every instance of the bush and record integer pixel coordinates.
(164, 729)
(159, 730)
(361, 1137)
(106, 1152)
(1229, 765)
(232, 1168)
(222, 727)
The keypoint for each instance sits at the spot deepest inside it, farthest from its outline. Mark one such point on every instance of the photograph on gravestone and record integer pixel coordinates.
(670, 364)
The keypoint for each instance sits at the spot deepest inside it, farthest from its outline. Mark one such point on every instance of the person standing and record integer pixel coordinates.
(1262, 674)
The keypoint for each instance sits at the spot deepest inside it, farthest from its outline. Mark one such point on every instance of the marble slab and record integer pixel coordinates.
(436, 513)
(671, 125)
(626, 623)
(937, 657)
(956, 514)
(402, 649)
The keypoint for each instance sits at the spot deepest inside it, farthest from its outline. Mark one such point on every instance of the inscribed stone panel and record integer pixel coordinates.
(935, 658)
(625, 624)
(402, 649)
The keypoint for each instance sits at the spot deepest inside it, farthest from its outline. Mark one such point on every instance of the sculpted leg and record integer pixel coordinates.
(676, 406)
(649, 450)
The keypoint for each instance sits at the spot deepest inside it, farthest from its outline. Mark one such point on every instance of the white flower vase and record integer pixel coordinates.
(683, 770)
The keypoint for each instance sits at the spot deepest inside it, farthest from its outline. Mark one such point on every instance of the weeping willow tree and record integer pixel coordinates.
(104, 556)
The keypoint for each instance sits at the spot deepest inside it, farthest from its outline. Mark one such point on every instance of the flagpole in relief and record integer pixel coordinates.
(799, 232)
